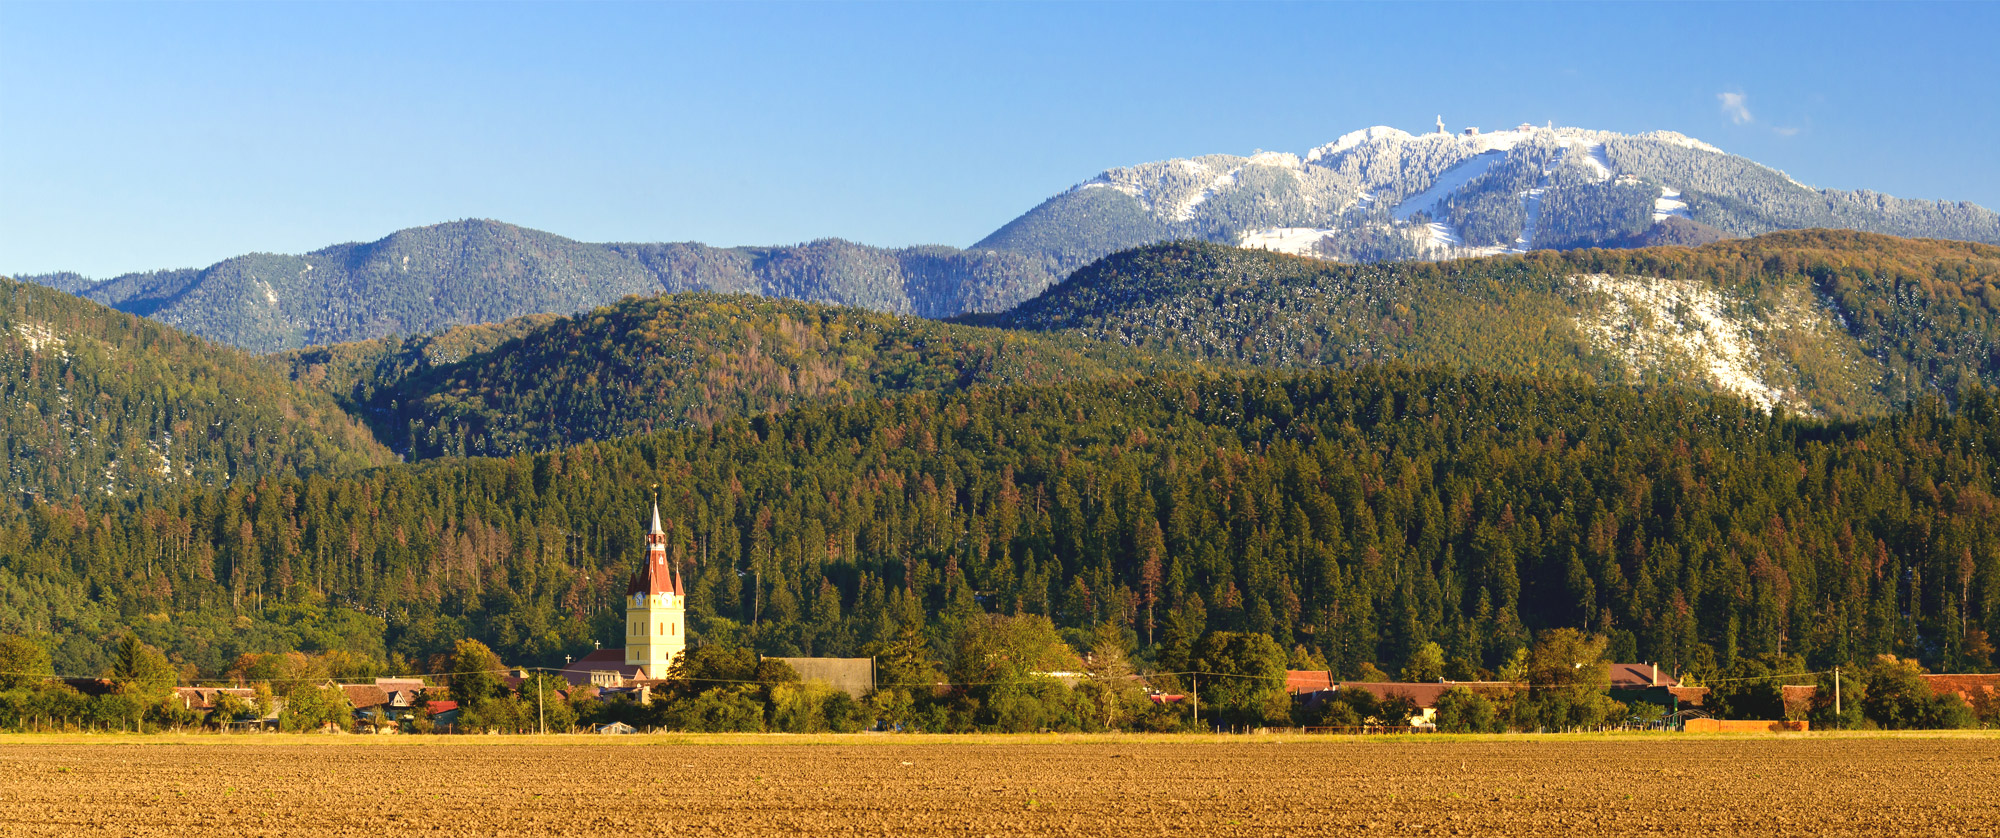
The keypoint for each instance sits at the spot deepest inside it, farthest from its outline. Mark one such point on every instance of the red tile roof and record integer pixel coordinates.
(436, 707)
(364, 696)
(1691, 696)
(1299, 681)
(1966, 686)
(658, 575)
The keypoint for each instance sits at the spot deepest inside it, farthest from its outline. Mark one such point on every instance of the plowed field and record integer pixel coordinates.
(1657, 785)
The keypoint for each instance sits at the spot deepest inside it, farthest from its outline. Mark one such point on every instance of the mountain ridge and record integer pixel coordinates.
(1382, 193)
(479, 271)
(1378, 194)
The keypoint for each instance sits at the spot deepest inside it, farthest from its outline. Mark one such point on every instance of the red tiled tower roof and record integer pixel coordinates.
(657, 575)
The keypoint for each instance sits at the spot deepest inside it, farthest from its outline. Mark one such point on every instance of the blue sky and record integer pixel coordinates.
(174, 135)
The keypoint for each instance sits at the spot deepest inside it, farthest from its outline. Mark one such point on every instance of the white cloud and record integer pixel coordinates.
(1787, 131)
(1735, 106)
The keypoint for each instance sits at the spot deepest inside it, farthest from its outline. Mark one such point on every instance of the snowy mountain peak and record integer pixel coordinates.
(1679, 139)
(1352, 139)
(1383, 193)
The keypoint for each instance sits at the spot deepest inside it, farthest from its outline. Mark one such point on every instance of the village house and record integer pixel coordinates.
(1970, 688)
(1629, 682)
(1311, 687)
(1635, 682)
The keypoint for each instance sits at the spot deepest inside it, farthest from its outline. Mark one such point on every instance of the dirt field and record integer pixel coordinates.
(1660, 785)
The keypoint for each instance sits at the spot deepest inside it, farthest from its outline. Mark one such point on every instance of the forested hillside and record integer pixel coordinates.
(469, 272)
(107, 403)
(1830, 322)
(1744, 198)
(693, 359)
(355, 372)
(100, 402)
(1354, 515)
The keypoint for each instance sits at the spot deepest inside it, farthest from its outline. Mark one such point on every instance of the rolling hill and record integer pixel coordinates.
(1826, 323)
(671, 361)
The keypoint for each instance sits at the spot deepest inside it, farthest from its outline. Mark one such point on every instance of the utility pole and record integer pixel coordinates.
(1836, 693)
(1197, 699)
(541, 719)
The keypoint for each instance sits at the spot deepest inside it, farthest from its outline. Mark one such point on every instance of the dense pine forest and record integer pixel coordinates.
(1352, 517)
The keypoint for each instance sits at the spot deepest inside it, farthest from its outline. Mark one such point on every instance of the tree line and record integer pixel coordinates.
(1352, 517)
(1001, 674)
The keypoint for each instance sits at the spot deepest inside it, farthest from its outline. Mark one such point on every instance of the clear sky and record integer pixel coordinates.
(168, 135)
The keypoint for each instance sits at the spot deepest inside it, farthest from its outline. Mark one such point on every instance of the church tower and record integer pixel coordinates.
(655, 608)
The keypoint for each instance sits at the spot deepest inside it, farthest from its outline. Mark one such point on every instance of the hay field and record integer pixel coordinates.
(881, 785)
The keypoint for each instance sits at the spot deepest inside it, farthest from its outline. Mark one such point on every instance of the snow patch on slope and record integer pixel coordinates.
(37, 335)
(1222, 181)
(1126, 188)
(1276, 160)
(1454, 179)
(1668, 204)
(1298, 241)
(1531, 209)
(1654, 324)
(1595, 159)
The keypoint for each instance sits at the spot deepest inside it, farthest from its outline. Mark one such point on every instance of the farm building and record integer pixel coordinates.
(1970, 688)
(1312, 686)
(1634, 682)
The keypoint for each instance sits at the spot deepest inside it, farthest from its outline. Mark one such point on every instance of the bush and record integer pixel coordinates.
(313, 708)
(1250, 689)
(718, 710)
(1898, 699)
(1461, 710)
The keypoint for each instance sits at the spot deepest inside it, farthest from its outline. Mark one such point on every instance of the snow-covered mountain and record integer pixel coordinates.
(1384, 193)
(1372, 195)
